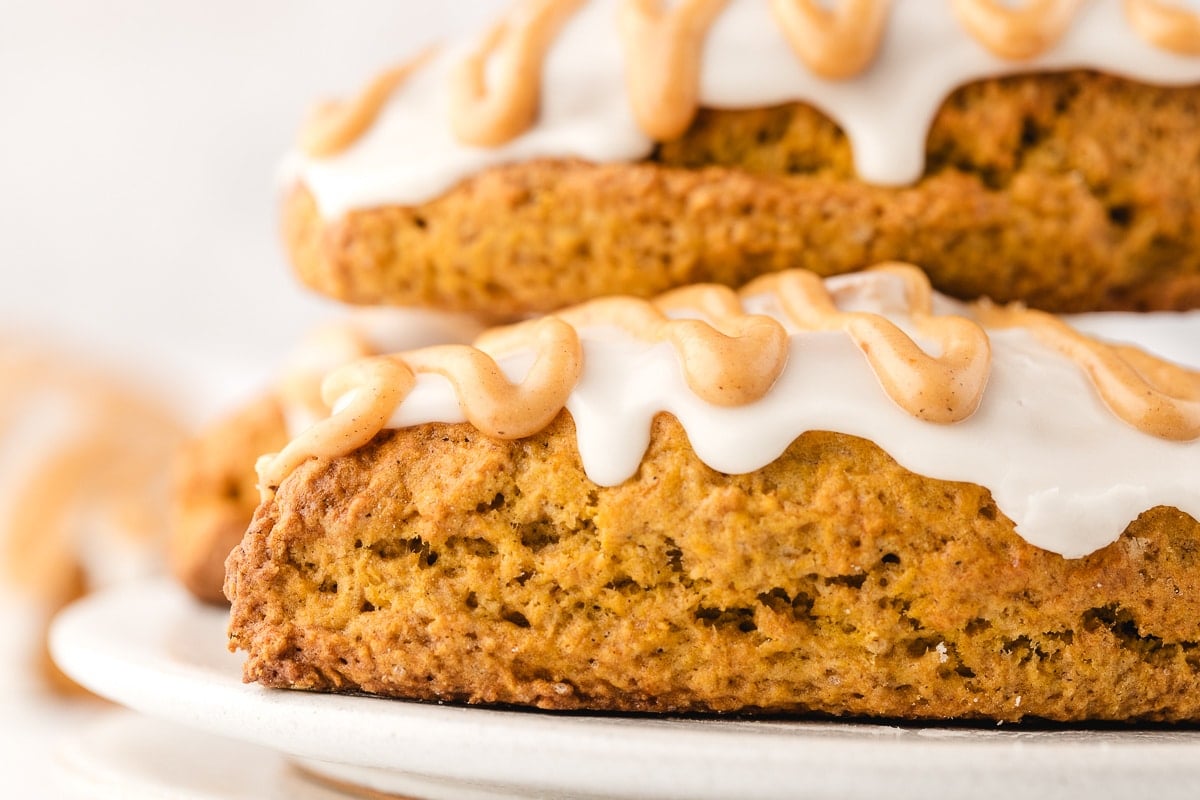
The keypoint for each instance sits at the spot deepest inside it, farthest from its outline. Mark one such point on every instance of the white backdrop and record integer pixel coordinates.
(138, 146)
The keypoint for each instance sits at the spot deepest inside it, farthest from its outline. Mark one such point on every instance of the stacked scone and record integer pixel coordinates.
(854, 495)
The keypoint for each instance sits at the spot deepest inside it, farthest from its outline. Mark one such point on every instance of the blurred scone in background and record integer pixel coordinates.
(143, 291)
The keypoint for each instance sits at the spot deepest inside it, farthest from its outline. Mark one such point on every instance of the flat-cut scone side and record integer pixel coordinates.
(1070, 192)
(438, 563)
(214, 492)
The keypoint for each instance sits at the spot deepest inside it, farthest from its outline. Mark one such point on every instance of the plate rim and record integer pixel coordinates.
(140, 666)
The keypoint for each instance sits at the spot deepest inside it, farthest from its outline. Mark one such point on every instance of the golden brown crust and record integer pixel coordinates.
(1065, 191)
(215, 493)
(437, 563)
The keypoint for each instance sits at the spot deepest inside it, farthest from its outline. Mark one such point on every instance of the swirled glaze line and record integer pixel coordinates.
(837, 42)
(663, 50)
(335, 125)
(299, 386)
(942, 388)
(488, 116)
(1154, 396)
(733, 358)
(376, 387)
(490, 401)
(645, 69)
(730, 359)
(1165, 25)
(1016, 32)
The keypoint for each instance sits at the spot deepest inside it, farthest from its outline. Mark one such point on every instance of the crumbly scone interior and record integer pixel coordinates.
(438, 563)
(482, 562)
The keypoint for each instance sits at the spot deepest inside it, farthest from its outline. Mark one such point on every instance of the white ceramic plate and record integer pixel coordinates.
(150, 647)
(121, 755)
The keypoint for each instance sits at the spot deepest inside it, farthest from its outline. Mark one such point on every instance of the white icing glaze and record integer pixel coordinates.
(410, 155)
(1059, 463)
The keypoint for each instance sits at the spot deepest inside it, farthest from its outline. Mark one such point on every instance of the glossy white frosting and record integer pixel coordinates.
(410, 154)
(1068, 472)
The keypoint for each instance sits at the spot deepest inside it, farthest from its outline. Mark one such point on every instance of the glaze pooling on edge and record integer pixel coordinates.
(411, 155)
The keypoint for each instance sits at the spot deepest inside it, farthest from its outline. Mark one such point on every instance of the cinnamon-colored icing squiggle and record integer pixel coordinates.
(941, 388)
(834, 43)
(491, 402)
(335, 125)
(379, 384)
(1165, 25)
(488, 116)
(299, 387)
(729, 360)
(364, 333)
(1016, 32)
(733, 359)
(663, 49)
(1154, 396)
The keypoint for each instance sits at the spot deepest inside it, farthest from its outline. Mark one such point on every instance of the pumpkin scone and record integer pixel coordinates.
(847, 497)
(1039, 153)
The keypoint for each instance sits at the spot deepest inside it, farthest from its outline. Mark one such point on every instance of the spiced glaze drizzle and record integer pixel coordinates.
(664, 45)
(732, 358)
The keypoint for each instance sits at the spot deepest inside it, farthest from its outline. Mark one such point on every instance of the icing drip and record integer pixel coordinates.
(601, 80)
(1070, 472)
(729, 359)
(378, 386)
(299, 387)
(489, 400)
(364, 333)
